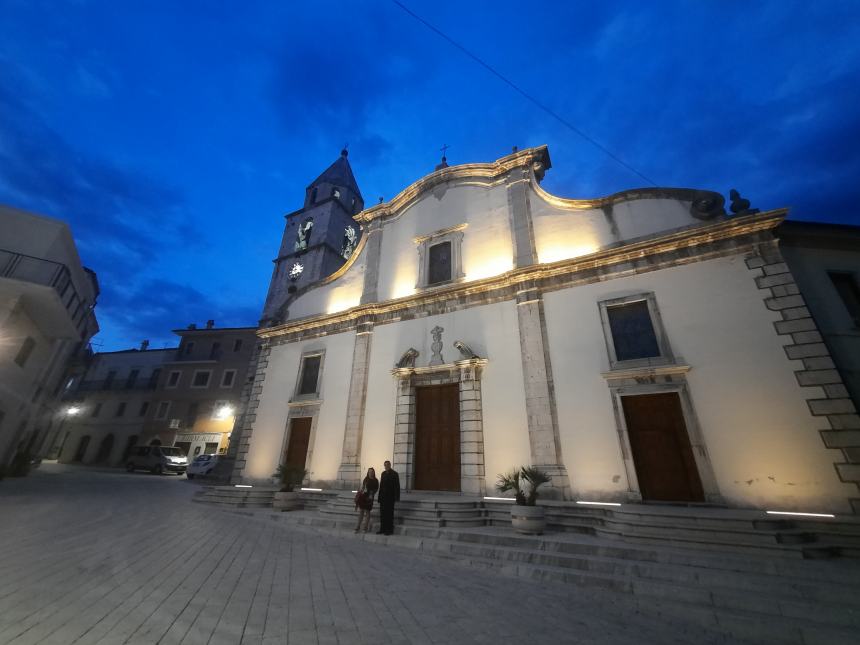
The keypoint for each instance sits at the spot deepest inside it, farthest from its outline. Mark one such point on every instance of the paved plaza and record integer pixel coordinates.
(90, 556)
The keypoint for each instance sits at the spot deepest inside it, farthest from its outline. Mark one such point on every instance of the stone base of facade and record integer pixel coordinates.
(349, 476)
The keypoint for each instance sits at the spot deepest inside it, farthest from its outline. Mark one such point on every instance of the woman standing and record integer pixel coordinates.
(364, 499)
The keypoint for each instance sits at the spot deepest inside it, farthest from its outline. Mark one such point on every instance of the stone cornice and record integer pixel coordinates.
(527, 277)
(645, 371)
(487, 171)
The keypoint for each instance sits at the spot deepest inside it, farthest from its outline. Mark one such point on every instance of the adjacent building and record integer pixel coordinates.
(644, 346)
(47, 301)
(107, 405)
(199, 389)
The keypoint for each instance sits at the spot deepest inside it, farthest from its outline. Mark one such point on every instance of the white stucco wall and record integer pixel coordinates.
(340, 294)
(562, 233)
(491, 332)
(487, 247)
(268, 440)
(762, 440)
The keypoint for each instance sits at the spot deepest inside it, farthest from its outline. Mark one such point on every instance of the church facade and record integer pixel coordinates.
(642, 346)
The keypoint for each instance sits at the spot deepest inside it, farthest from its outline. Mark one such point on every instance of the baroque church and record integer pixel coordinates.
(645, 346)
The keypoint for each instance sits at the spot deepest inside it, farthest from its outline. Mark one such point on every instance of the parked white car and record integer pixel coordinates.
(202, 465)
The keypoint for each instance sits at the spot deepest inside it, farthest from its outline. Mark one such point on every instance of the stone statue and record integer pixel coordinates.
(304, 235)
(408, 358)
(349, 239)
(436, 347)
(465, 351)
(740, 206)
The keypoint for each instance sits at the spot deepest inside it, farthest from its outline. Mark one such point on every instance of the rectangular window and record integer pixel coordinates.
(173, 379)
(189, 347)
(846, 286)
(227, 378)
(143, 408)
(27, 348)
(163, 408)
(108, 384)
(210, 448)
(153, 378)
(632, 331)
(237, 344)
(215, 352)
(132, 379)
(96, 410)
(439, 263)
(310, 374)
(201, 378)
(120, 409)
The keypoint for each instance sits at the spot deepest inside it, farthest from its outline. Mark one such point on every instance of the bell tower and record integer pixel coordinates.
(318, 238)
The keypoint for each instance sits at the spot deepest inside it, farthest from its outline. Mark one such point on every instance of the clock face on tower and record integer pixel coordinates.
(296, 271)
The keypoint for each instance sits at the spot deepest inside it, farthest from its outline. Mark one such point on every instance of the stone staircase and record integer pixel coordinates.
(230, 496)
(426, 511)
(750, 595)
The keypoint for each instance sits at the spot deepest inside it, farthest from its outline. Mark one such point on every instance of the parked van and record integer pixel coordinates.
(157, 459)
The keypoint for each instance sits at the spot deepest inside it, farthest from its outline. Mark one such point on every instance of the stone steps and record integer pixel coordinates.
(231, 496)
(771, 599)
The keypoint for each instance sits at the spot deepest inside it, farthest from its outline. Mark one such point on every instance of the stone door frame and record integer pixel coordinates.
(667, 379)
(300, 410)
(467, 375)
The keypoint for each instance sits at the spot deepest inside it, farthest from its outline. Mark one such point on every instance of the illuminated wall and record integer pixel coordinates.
(487, 330)
(762, 440)
(344, 292)
(270, 425)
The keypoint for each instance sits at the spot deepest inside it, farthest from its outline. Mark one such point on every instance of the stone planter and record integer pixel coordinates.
(530, 520)
(287, 501)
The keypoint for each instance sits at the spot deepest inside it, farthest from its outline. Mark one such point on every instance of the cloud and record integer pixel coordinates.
(118, 215)
(131, 313)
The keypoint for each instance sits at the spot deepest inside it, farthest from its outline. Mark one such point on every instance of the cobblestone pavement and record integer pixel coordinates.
(92, 556)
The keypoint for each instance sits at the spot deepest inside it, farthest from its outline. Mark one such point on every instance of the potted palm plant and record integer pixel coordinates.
(526, 516)
(289, 477)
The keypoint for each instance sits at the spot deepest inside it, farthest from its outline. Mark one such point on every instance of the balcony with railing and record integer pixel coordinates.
(56, 276)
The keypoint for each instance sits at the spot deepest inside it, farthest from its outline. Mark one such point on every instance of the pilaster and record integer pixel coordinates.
(522, 231)
(540, 392)
(373, 249)
(349, 473)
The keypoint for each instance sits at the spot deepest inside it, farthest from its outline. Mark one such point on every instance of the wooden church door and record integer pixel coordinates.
(297, 444)
(437, 438)
(662, 455)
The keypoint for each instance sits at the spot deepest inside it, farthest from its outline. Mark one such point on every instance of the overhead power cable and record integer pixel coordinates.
(523, 93)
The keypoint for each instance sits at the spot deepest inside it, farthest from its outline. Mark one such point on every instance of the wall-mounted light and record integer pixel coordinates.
(72, 410)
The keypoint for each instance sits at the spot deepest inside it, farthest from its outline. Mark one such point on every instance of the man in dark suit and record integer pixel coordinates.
(389, 493)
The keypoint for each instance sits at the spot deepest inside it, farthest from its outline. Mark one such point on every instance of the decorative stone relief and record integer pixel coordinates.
(304, 235)
(350, 238)
(436, 347)
(465, 351)
(408, 358)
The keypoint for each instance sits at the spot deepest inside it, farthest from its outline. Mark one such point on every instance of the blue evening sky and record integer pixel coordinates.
(173, 136)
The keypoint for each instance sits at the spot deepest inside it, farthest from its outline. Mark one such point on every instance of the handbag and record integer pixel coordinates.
(362, 500)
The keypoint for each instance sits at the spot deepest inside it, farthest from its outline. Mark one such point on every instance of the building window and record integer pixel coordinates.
(108, 384)
(314, 196)
(439, 263)
(846, 287)
(215, 352)
(633, 332)
(201, 378)
(97, 408)
(189, 347)
(228, 378)
(440, 257)
(237, 344)
(163, 408)
(120, 409)
(27, 348)
(143, 409)
(153, 378)
(132, 379)
(309, 376)
(173, 379)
